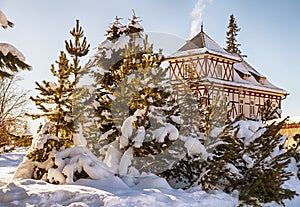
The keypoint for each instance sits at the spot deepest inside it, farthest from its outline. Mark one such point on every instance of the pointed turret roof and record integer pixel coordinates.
(201, 44)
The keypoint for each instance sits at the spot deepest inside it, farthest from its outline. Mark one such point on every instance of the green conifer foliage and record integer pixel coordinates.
(255, 166)
(56, 99)
(262, 181)
(132, 89)
(116, 66)
(42, 156)
(294, 149)
(214, 132)
(12, 63)
(115, 30)
(232, 45)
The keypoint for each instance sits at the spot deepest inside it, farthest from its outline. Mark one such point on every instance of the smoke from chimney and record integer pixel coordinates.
(196, 14)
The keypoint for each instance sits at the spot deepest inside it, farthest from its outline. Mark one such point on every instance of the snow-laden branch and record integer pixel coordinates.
(6, 48)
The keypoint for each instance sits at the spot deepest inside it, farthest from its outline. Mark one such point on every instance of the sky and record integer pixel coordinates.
(269, 33)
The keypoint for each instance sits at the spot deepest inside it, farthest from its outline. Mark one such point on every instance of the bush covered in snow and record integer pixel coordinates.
(49, 160)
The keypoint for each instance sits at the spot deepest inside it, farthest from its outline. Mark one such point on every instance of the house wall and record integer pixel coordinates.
(201, 66)
(242, 101)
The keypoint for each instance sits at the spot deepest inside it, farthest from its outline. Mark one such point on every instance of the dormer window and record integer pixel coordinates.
(262, 80)
(259, 78)
(243, 75)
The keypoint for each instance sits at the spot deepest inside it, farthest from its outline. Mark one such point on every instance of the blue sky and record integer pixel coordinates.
(269, 31)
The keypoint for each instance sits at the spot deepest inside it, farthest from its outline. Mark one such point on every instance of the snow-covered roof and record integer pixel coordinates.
(245, 85)
(253, 79)
(201, 44)
(245, 76)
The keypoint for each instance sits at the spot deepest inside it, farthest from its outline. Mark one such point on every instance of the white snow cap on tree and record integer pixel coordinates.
(6, 48)
(4, 22)
(42, 137)
(134, 23)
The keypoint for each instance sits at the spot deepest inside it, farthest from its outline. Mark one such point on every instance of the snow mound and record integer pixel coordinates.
(144, 191)
(62, 166)
(38, 193)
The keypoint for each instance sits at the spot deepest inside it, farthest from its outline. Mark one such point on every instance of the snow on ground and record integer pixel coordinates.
(8, 165)
(114, 191)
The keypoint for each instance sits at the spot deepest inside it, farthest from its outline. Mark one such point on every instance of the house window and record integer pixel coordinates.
(252, 108)
(241, 106)
(186, 70)
(219, 71)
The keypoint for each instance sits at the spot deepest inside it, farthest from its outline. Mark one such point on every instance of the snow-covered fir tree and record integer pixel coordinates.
(231, 43)
(56, 99)
(234, 156)
(115, 30)
(206, 134)
(148, 123)
(264, 169)
(11, 59)
(133, 104)
(108, 74)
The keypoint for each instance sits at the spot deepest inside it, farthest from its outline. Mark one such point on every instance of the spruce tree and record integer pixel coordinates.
(115, 30)
(111, 54)
(56, 99)
(132, 94)
(214, 133)
(232, 45)
(255, 166)
(11, 60)
(265, 170)
(150, 114)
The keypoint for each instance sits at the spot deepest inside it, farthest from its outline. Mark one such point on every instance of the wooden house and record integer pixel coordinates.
(210, 70)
